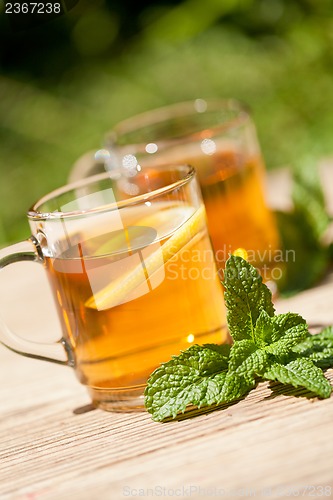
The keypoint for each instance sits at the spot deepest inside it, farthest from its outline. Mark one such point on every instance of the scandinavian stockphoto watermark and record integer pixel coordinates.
(196, 263)
(195, 491)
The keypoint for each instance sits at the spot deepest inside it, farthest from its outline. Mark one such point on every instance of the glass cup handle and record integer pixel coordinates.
(56, 352)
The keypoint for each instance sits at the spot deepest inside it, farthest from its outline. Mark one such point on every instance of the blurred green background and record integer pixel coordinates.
(64, 83)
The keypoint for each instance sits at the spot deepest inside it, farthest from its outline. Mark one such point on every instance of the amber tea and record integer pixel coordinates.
(133, 275)
(219, 139)
(237, 213)
(147, 308)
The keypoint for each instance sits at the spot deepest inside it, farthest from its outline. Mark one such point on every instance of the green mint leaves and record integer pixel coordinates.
(245, 298)
(304, 229)
(318, 348)
(300, 372)
(266, 346)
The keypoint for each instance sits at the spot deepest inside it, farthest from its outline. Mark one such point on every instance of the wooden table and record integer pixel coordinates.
(53, 445)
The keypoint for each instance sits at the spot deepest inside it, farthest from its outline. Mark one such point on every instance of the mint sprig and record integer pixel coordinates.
(245, 297)
(266, 346)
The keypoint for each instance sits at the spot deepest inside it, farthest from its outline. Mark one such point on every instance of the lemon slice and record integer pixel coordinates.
(167, 220)
(130, 238)
(115, 292)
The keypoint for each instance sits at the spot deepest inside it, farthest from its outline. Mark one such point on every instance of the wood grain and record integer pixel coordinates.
(54, 445)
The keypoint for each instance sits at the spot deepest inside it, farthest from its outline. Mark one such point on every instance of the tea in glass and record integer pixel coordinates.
(133, 275)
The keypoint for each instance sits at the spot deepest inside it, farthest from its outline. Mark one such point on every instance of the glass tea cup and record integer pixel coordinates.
(217, 137)
(133, 275)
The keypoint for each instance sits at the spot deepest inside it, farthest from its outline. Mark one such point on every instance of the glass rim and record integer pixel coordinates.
(178, 110)
(35, 215)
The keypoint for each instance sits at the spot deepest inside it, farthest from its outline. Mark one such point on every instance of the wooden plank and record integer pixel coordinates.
(272, 438)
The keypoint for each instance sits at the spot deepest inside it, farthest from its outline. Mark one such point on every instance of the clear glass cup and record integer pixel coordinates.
(219, 139)
(132, 271)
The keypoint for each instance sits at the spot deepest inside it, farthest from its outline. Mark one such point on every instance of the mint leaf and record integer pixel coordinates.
(273, 347)
(283, 325)
(288, 330)
(234, 387)
(193, 377)
(300, 372)
(198, 376)
(245, 297)
(318, 348)
(263, 331)
(246, 360)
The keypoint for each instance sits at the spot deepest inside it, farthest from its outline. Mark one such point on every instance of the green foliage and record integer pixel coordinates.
(246, 360)
(300, 372)
(271, 347)
(245, 298)
(287, 330)
(318, 348)
(302, 230)
(195, 377)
